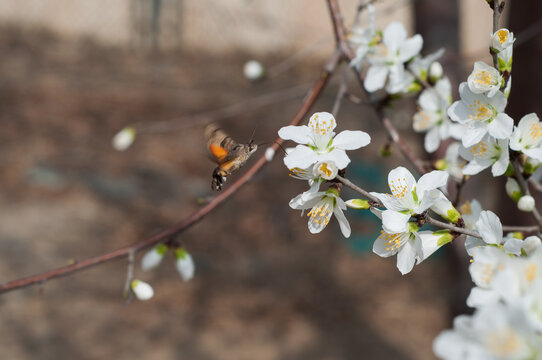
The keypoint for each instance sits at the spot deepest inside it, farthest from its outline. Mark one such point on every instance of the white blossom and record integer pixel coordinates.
(388, 58)
(319, 143)
(408, 197)
(484, 79)
(481, 114)
(323, 205)
(432, 115)
(487, 152)
(527, 137)
(411, 246)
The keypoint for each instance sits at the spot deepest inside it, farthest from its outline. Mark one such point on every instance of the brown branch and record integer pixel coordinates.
(525, 229)
(189, 221)
(348, 54)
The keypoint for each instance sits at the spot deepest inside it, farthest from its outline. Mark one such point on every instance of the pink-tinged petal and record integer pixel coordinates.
(301, 157)
(299, 134)
(501, 127)
(460, 112)
(394, 35)
(432, 140)
(473, 135)
(336, 155)
(375, 78)
(394, 222)
(430, 181)
(410, 48)
(343, 222)
(351, 140)
(490, 228)
(406, 258)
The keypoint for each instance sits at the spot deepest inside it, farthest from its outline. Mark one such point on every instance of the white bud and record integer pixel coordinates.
(253, 70)
(326, 170)
(124, 138)
(435, 71)
(153, 257)
(530, 244)
(141, 290)
(184, 264)
(513, 190)
(269, 154)
(526, 203)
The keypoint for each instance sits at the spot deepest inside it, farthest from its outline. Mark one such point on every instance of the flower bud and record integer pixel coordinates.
(530, 166)
(358, 204)
(253, 70)
(513, 190)
(124, 138)
(530, 244)
(141, 290)
(385, 151)
(435, 72)
(269, 154)
(444, 237)
(153, 257)
(441, 164)
(445, 208)
(326, 170)
(526, 203)
(184, 264)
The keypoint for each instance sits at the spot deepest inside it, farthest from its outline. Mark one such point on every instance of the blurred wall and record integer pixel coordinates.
(262, 26)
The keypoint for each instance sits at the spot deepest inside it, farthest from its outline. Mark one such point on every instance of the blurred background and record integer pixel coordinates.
(73, 73)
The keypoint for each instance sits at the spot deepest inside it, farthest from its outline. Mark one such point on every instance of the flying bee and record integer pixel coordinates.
(227, 153)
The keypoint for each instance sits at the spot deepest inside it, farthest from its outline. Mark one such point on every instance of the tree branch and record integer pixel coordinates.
(189, 221)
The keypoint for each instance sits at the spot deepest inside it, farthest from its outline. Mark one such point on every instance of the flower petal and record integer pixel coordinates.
(375, 78)
(410, 47)
(501, 127)
(430, 181)
(490, 228)
(301, 157)
(394, 222)
(432, 140)
(299, 134)
(343, 222)
(429, 243)
(406, 258)
(351, 140)
(473, 135)
(394, 35)
(338, 156)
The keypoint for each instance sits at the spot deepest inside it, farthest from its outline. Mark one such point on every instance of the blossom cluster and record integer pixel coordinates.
(506, 270)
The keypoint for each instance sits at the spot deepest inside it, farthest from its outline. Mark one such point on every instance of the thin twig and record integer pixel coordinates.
(525, 229)
(518, 173)
(403, 146)
(340, 96)
(498, 7)
(128, 294)
(192, 219)
(351, 185)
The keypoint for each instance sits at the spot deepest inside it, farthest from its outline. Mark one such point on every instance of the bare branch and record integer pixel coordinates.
(192, 219)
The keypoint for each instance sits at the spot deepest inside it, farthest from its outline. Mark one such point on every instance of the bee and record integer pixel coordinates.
(227, 153)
